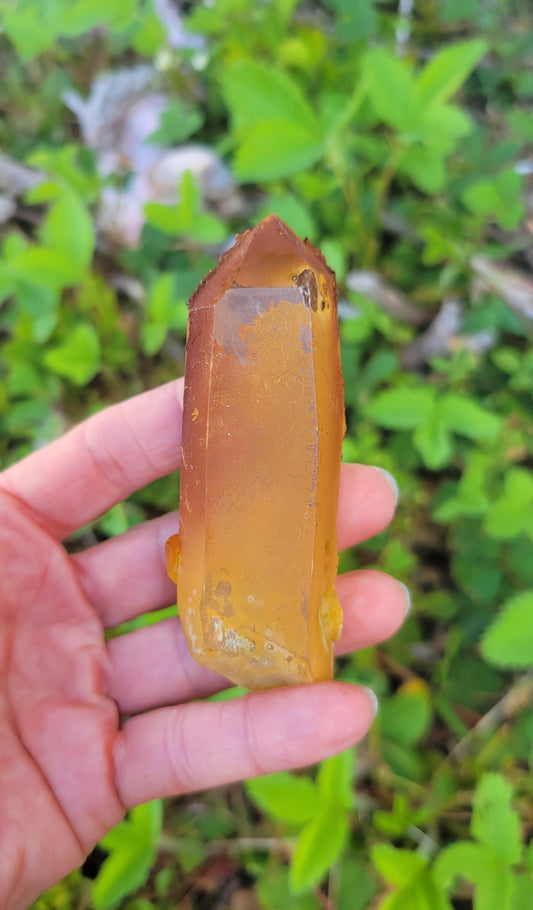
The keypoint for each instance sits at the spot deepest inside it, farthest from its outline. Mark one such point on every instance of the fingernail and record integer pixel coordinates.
(392, 482)
(408, 597)
(373, 698)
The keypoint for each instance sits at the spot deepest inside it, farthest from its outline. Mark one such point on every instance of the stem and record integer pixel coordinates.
(350, 191)
(170, 844)
(335, 161)
(382, 191)
(354, 103)
(517, 699)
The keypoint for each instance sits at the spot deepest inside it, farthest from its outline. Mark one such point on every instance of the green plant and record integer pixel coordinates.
(411, 166)
(132, 847)
(321, 810)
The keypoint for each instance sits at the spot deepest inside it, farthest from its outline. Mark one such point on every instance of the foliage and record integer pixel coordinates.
(132, 847)
(402, 148)
(322, 808)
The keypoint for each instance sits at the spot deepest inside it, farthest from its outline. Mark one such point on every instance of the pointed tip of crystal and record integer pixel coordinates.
(268, 255)
(272, 231)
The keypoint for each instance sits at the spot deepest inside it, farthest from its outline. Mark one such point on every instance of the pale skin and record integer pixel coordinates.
(70, 765)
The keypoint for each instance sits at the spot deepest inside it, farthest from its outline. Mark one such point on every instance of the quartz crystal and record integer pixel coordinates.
(256, 557)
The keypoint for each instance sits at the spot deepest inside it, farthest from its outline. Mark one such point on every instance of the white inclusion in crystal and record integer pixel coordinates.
(230, 639)
(194, 638)
(242, 306)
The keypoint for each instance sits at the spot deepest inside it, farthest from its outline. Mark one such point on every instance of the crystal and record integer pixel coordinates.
(256, 557)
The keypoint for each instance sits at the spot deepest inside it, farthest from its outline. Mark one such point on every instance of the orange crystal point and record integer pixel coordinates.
(262, 433)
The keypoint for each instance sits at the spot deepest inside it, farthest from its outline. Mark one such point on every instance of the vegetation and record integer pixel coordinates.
(401, 143)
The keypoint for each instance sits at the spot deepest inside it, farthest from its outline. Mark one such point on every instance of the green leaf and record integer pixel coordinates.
(27, 30)
(319, 846)
(495, 890)
(256, 93)
(402, 408)
(397, 866)
(406, 716)
(276, 148)
(47, 191)
(424, 165)
(521, 124)
(207, 229)
(442, 125)
(284, 796)
(292, 211)
(164, 311)
(508, 642)
(480, 579)
(357, 884)
(421, 893)
(519, 485)
(186, 218)
(390, 86)
(133, 847)
(446, 72)
(394, 823)
(504, 519)
(467, 418)
(69, 229)
(166, 218)
(498, 197)
(355, 22)
(177, 123)
(80, 16)
(433, 441)
(464, 859)
(472, 497)
(34, 26)
(149, 35)
(155, 328)
(523, 892)
(64, 164)
(507, 516)
(273, 889)
(335, 779)
(49, 267)
(494, 822)
(476, 863)
(78, 357)
(416, 887)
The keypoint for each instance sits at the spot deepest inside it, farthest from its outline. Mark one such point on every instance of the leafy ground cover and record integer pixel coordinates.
(136, 139)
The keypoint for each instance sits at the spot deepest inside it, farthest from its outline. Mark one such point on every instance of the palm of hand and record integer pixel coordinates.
(58, 728)
(89, 728)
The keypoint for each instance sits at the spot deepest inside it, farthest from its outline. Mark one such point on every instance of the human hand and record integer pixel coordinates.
(70, 765)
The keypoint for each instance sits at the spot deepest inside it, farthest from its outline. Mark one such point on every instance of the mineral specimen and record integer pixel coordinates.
(256, 558)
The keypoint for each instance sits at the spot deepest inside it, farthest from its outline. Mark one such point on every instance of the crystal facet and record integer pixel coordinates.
(256, 558)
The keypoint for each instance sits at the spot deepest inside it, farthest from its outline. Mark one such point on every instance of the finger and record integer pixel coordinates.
(101, 461)
(367, 501)
(205, 744)
(126, 576)
(374, 606)
(152, 667)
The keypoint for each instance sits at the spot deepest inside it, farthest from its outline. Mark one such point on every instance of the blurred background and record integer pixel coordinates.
(136, 138)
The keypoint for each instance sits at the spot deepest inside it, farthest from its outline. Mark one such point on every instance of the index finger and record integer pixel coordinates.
(101, 461)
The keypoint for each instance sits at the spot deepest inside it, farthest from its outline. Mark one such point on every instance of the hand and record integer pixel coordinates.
(69, 767)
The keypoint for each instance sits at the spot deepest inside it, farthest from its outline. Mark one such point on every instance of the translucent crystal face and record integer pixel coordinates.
(258, 585)
(240, 308)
